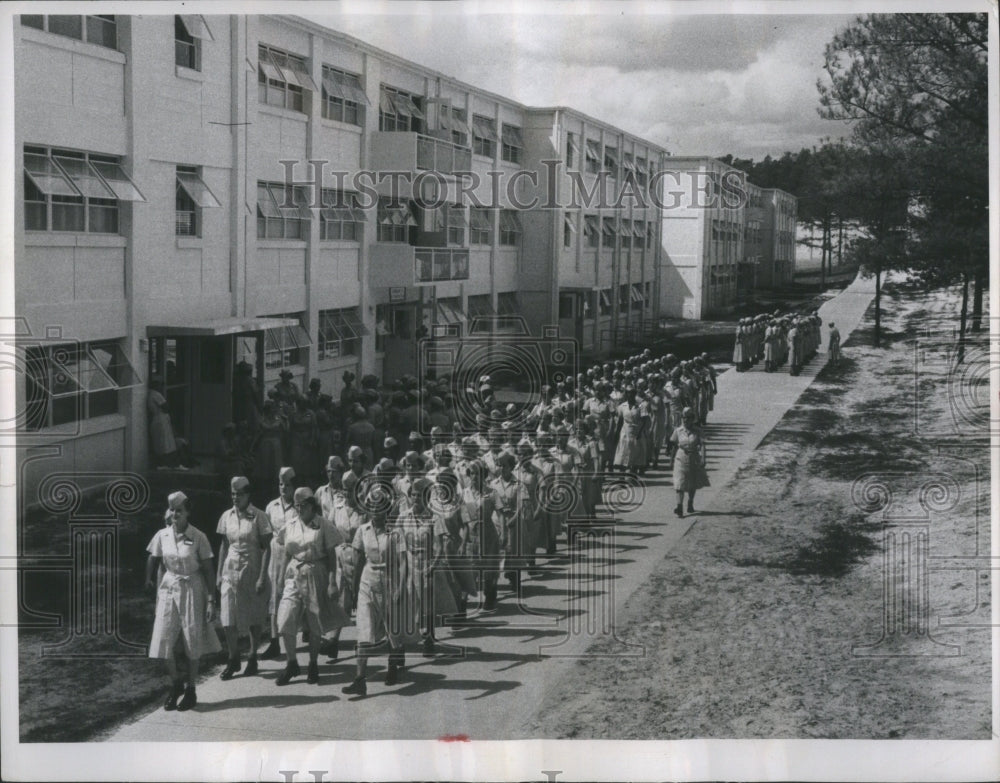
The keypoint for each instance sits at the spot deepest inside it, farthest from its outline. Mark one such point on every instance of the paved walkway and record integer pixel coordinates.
(494, 673)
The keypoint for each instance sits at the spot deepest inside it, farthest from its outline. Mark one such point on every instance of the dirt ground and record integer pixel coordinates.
(756, 624)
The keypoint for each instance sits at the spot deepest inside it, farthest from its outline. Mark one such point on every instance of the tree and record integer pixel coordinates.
(915, 86)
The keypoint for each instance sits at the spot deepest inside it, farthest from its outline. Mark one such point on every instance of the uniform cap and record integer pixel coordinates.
(286, 474)
(354, 453)
(176, 499)
(239, 483)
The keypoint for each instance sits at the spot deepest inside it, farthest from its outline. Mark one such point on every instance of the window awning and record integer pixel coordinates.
(84, 177)
(512, 136)
(196, 26)
(401, 104)
(115, 178)
(341, 325)
(590, 224)
(570, 222)
(572, 143)
(484, 128)
(268, 66)
(638, 229)
(95, 367)
(637, 292)
(480, 306)
(396, 215)
(220, 326)
(507, 303)
(593, 150)
(47, 176)
(481, 219)
(605, 296)
(450, 311)
(456, 217)
(628, 162)
(610, 153)
(285, 338)
(193, 185)
(509, 220)
(344, 85)
(458, 119)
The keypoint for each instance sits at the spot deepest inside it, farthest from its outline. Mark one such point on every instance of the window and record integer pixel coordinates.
(510, 228)
(340, 216)
(436, 264)
(623, 297)
(484, 136)
(394, 221)
(569, 229)
(480, 306)
(192, 195)
(611, 161)
(604, 301)
(66, 190)
(638, 233)
(572, 150)
(68, 383)
(282, 78)
(593, 162)
(640, 171)
(459, 123)
(285, 346)
(340, 333)
(628, 165)
(383, 328)
(400, 111)
(590, 231)
(189, 31)
(566, 306)
(507, 303)
(344, 99)
(449, 311)
(101, 30)
(481, 228)
(609, 231)
(512, 144)
(625, 232)
(637, 298)
(282, 211)
(456, 224)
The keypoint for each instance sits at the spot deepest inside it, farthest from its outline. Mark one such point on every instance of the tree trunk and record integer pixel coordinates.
(977, 301)
(965, 314)
(878, 308)
(822, 255)
(840, 241)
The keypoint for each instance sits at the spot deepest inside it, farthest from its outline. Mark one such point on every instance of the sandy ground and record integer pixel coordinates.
(754, 624)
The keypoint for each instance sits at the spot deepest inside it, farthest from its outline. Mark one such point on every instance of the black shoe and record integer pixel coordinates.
(233, 667)
(358, 686)
(678, 510)
(690, 508)
(175, 693)
(189, 699)
(305, 637)
(291, 670)
(489, 606)
(330, 648)
(251, 668)
(273, 651)
(428, 648)
(392, 676)
(312, 673)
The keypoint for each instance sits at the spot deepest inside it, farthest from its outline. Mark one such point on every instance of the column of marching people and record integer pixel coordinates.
(406, 531)
(779, 339)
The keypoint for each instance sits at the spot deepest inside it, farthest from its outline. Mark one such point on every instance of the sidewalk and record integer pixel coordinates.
(493, 674)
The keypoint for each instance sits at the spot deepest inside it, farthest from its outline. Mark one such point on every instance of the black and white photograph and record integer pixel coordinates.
(499, 391)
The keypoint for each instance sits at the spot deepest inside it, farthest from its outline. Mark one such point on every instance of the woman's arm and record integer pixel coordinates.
(207, 570)
(223, 551)
(152, 564)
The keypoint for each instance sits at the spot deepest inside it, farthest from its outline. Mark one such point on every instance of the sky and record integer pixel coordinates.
(695, 84)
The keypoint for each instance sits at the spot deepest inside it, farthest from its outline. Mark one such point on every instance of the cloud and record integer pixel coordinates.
(696, 84)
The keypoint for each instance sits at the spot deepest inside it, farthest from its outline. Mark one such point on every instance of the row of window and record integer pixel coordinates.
(598, 232)
(597, 159)
(100, 29)
(725, 230)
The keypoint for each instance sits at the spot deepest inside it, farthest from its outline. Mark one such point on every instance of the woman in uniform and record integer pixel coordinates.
(185, 603)
(689, 461)
(629, 454)
(483, 541)
(280, 512)
(381, 588)
(244, 557)
(309, 585)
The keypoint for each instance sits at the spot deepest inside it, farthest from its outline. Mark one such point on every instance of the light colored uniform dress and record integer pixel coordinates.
(181, 598)
(304, 596)
(512, 504)
(379, 616)
(242, 606)
(658, 404)
(482, 548)
(279, 515)
(834, 349)
(689, 472)
(346, 520)
(631, 452)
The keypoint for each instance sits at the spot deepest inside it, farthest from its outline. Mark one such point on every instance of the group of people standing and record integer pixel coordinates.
(777, 339)
(408, 531)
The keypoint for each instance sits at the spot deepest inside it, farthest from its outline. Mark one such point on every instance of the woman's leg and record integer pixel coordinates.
(691, 500)
(679, 508)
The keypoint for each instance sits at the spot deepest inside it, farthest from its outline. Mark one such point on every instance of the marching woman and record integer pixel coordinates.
(309, 594)
(482, 548)
(511, 496)
(740, 349)
(660, 409)
(629, 454)
(381, 589)
(185, 606)
(280, 512)
(244, 556)
(689, 461)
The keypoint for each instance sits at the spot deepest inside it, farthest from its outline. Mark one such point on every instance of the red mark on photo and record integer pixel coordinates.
(454, 738)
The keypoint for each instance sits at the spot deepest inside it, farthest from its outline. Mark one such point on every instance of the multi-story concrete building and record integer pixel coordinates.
(704, 220)
(753, 247)
(169, 227)
(777, 268)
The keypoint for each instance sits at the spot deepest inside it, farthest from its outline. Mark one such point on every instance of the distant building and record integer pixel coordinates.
(777, 268)
(704, 223)
(753, 243)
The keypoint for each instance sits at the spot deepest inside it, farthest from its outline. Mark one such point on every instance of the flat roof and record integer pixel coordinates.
(218, 327)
